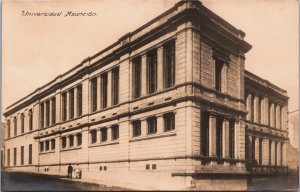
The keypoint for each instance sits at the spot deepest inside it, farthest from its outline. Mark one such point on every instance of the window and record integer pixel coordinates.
(115, 132)
(218, 74)
(15, 126)
(231, 138)
(152, 125)
(22, 155)
(47, 113)
(103, 134)
(42, 114)
(93, 136)
(47, 146)
(8, 157)
(71, 103)
(169, 120)
(204, 133)
(41, 146)
(71, 139)
(270, 152)
(30, 119)
(281, 153)
(253, 150)
(8, 128)
(53, 112)
(15, 156)
(94, 94)
(169, 64)
(52, 144)
(22, 122)
(115, 86)
(104, 90)
(276, 153)
(260, 151)
(64, 106)
(30, 154)
(63, 142)
(136, 128)
(79, 100)
(219, 133)
(152, 71)
(260, 103)
(79, 139)
(137, 77)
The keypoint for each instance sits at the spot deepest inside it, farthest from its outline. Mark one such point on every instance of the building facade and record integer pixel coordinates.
(164, 107)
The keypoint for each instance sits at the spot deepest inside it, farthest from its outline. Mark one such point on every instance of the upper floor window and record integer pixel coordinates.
(22, 122)
(169, 120)
(64, 106)
(169, 64)
(94, 94)
(152, 71)
(30, 119)
(104, 90)
(71, 140)
(47, 145)
(137, 77)
(41, 146)
(93, 136)
(152, 125)
(115, 86)
(71, 103)
(79, 139)
(8, 128)
(42, 114)
(115, 132)
(103, 134)
(53, 113)
(79, 100)
(136, 128)
(219, 78)
(15, 125)
(52, 144)
(63, 142)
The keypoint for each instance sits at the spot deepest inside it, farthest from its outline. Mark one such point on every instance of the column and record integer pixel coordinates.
(189, 53)
(67, 108)
(144, 75)
(160, 69)
(143, 127)
(74, 140)
(45, 114)
(256, 142)
(225, 138)
(237, 140)
(99, 105)
(256, 101)
(250, 141)
(278, 153)
(284, 154)
(248, 105)
(75, 102)
(266, 111)
(109, 83)
(160, 123)
(212, 135)
(265, 153)
(50, 112)
(273, 153)
(272, 115)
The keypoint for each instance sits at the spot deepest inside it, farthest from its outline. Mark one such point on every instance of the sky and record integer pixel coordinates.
(35, 49)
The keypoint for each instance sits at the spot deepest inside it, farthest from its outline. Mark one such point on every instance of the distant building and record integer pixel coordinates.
(294, 129)
(168, 106)
(3, 132)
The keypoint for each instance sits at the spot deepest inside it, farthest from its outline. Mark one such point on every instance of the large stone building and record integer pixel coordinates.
(164, 107)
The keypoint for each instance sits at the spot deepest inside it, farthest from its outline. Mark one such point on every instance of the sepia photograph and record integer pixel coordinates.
(135, 95)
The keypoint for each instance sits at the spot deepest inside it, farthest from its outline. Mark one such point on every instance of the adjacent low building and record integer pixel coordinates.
(164, 107)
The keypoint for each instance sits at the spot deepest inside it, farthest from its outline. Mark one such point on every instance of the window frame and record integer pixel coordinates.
(115, 83)
(137, 76)
(152, 71)
(151, 125)
(115, 132)
(136, 125)
(169, 120)
(169, 63)
(103, 132)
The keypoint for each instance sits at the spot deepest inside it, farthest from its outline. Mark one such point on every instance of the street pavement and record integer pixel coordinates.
(20, 181)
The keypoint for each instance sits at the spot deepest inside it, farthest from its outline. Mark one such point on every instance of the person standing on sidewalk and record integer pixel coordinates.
(70, 170)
